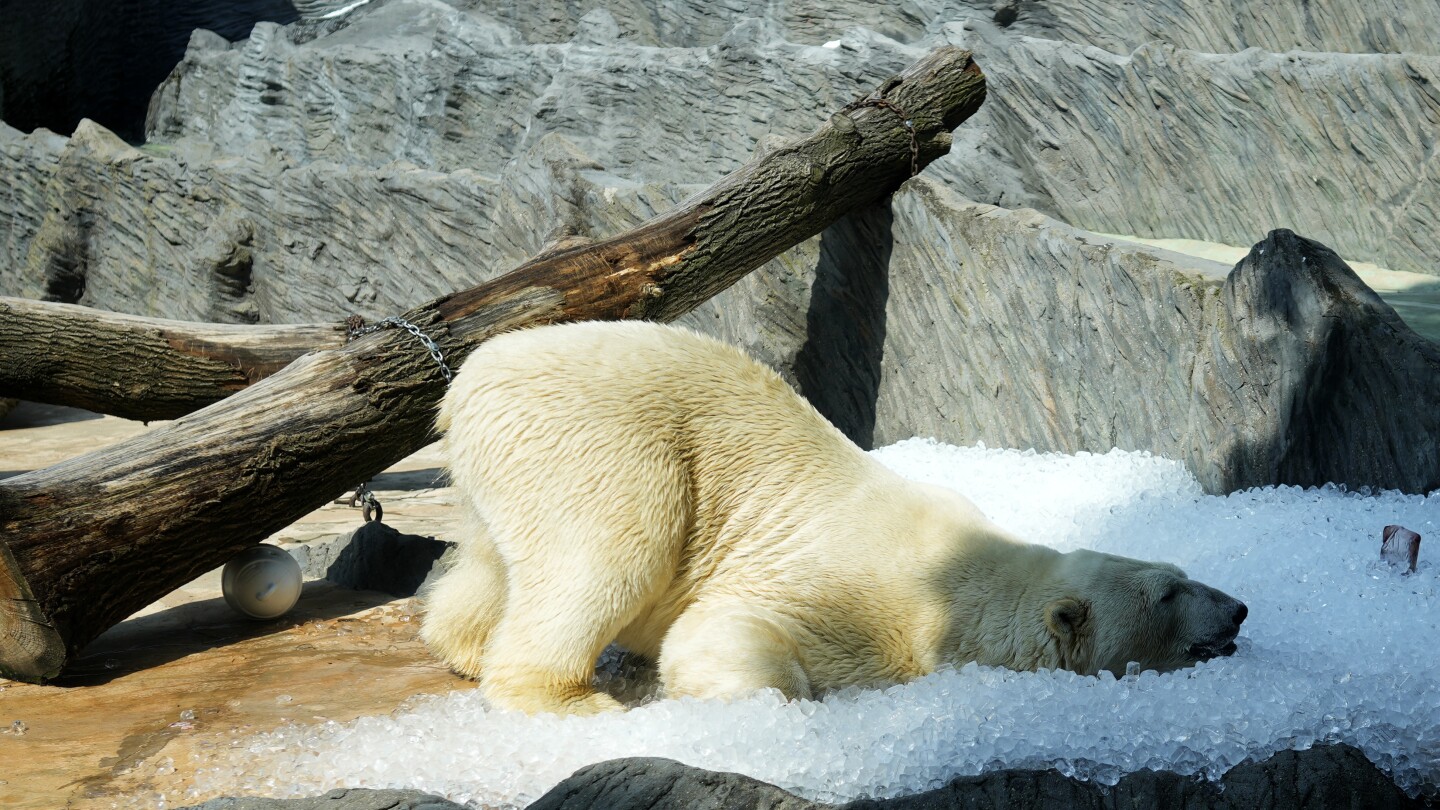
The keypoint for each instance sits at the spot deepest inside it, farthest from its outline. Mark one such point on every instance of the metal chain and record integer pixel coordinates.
(356, 328)
(366, 501)
(905, 119)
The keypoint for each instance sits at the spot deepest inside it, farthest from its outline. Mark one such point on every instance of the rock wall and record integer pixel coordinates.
(1321, 778)
(1223, 147)
(1327, 777)
(1216, 26)
(1139, 135)
(363, 163)
(1011, 328)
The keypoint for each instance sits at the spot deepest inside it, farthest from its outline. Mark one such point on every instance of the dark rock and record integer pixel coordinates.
(651, 782)
(1340, 376)
(376, 557)
(1326, 777)
(1331, 777)
(344, 799)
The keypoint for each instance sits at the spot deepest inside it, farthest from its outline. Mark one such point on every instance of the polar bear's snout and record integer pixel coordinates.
(1231, 613)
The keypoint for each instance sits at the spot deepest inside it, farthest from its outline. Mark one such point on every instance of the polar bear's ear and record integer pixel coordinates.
(1066, 617)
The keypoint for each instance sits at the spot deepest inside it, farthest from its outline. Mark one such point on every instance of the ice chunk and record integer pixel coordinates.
(1400, 546)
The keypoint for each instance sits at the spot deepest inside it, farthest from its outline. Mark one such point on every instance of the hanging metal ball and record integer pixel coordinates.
(262, 582)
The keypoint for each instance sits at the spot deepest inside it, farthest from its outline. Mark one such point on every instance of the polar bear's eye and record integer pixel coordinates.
(1171, 592)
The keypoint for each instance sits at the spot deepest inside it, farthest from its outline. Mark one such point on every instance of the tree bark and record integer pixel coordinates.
(139, 368)
(91, 540)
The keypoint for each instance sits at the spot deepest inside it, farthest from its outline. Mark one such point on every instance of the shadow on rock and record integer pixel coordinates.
(838, 367)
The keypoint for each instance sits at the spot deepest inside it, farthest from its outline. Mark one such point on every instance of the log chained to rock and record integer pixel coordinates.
(91, 540)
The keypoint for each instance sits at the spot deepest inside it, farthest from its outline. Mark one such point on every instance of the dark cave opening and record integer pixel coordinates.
(64, 60)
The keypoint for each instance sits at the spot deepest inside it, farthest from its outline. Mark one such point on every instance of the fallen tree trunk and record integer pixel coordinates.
(147, 368)
(91, 540)
(139, 368)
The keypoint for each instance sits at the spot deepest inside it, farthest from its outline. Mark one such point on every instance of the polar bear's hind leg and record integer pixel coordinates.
(728, 649)
(464, 604)
(592, 564)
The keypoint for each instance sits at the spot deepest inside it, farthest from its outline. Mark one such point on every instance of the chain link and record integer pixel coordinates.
(905, 120)
(356, 328)
(364, 500)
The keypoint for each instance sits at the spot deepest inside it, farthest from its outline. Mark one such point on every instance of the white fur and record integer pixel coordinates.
(648, 485)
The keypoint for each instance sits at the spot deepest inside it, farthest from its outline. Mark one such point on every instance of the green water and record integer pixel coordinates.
(1419, 306)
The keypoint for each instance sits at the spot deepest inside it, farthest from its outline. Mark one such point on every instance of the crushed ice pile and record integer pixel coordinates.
(1338, 647)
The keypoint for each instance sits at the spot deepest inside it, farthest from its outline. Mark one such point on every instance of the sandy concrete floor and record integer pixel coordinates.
(187, 674)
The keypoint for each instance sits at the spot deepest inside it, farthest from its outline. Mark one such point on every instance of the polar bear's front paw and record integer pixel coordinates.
(576, 699)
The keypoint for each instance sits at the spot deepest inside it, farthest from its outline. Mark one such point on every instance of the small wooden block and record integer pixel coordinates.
(1400, 546)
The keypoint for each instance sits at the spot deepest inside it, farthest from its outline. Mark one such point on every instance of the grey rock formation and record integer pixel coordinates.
(421, 81)
(274, 133)
(376, 557)
(1016, 330)
(1152, 138)
(1164, 141)
(1343, 26)
(1346, 26)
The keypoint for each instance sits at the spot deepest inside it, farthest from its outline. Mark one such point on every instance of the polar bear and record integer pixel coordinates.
(647, 485)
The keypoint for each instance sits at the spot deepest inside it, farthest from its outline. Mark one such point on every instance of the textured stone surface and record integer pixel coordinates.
(1346, 26)
(411, 143)
(1016, 330)
(1140, 135)
(376, 557)
(419, 80)
(1164, 141)
(1320, 778)
(1383, 26)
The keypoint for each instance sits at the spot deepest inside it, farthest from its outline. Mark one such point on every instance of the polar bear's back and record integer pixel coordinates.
(579, 405)
(611, 372)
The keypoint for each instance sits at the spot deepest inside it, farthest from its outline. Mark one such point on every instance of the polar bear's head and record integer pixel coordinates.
(1112, 610)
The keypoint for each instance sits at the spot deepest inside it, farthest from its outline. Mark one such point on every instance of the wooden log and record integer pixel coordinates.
(139, 368)
(89, 541)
